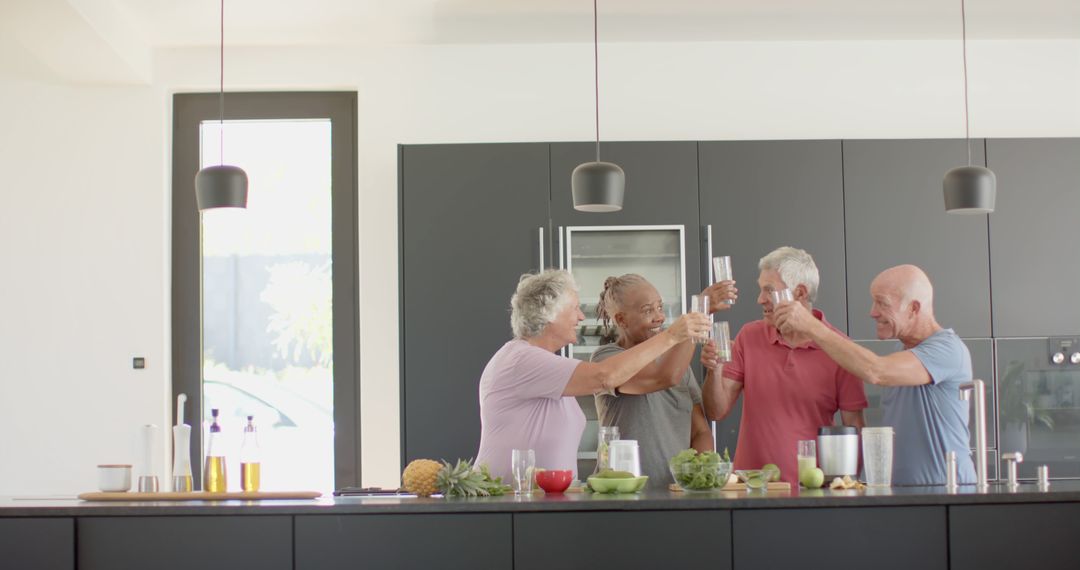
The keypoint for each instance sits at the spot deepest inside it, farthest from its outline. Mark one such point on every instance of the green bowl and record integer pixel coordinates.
(627, 485)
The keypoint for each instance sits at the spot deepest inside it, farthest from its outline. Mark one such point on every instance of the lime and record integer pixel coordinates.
(774, 469)
(812, 478)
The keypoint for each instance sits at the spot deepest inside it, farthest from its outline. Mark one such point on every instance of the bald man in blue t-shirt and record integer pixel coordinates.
(922, 383)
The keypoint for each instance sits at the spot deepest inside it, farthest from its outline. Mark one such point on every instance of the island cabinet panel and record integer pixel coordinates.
(1041, 536)
(1032, 233)
(37, 543)
(623, 540)
(881, 538)
(466, 541)
(894, 213)
(470, 225)
(183, 543)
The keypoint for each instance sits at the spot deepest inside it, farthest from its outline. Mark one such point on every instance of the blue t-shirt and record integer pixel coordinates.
(931, 419)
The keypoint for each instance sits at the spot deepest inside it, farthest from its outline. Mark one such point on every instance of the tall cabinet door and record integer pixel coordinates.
(895, 214)
(470, 221)
(760, 195)
(1032, 235)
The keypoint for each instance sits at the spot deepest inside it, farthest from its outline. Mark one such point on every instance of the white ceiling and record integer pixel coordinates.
(113, 41)
(290, 22)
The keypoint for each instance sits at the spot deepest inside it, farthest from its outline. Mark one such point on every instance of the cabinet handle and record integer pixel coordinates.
(541, 240)
(708, 253)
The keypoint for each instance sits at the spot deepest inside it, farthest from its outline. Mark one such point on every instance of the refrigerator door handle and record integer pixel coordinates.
(541, 241)
(708, 249)
(564, 351)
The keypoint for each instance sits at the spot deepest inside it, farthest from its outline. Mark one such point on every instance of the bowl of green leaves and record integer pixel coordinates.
(700, 472)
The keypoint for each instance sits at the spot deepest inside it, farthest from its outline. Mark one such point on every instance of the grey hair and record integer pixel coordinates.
(538, 300)
(795, 266)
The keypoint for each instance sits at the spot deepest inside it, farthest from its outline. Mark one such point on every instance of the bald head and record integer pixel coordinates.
(906, 283)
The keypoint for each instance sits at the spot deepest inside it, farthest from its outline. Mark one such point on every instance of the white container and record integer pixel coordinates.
(114, 478)
(877, 446)
(625, 456)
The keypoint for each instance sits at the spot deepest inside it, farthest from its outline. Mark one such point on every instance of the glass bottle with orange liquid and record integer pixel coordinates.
(214, 478)
(250, 458)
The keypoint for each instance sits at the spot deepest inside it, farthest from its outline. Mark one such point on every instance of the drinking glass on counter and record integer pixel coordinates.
(722, 272)
(807, 455)
(700, 304)
(781, 296)
(721, 335)
(522, 466)
(877, 448)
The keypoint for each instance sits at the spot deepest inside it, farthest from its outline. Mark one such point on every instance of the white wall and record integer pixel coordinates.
(73, 332)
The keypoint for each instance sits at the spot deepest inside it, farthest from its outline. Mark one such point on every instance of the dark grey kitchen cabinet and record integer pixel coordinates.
(624, 540)
(661, 189)
(760, 195)
(809, 539)
(990, 537)
(470, 220)
(895, 214)
(1033, 231)
(37, 543)
(182, 543)
(449, 541)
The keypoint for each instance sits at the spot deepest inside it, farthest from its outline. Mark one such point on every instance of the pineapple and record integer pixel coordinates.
(419, 477)
(462, 480)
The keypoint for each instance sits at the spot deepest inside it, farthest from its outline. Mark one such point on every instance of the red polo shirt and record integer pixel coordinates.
(788, 393)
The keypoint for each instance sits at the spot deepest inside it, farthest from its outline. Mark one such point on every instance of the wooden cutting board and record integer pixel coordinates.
(774, 486)
(202, 496)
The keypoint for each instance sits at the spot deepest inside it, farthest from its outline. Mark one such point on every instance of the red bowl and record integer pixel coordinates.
(554, 480)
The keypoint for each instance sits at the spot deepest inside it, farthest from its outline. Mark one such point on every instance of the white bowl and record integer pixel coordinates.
(114, 478)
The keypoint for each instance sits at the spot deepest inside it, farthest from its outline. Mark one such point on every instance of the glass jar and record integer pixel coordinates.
(604, 437)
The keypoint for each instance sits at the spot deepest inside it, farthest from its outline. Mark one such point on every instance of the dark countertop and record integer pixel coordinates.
(1059, 492)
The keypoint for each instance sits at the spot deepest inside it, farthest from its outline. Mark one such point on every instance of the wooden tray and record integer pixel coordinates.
(201, 496)
(774, 486)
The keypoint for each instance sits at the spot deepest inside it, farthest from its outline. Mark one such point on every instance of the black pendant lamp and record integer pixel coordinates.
(224, 185)
(969, 189)
(597, 186)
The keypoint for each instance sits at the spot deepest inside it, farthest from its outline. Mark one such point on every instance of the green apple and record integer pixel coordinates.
(812, 478)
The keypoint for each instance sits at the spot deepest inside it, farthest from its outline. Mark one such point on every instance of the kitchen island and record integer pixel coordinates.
(899, 527)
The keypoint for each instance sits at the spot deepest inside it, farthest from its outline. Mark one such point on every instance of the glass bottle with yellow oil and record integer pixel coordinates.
(250, 458)
(214, 479)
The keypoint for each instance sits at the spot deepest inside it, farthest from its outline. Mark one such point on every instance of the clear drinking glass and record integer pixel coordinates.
(781, 296)
(604, 437)
(807, 455)
(722, 272)
(877, 447)
(522, 466)
(700, 304)
(721, 335)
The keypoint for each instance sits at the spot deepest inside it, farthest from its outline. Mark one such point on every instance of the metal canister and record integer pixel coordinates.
(1043, 475)
(950, 470)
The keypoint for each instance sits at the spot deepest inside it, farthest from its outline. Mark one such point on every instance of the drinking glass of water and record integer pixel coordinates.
(700, 304)
(721, 268)
(781, 296)
(522, 466)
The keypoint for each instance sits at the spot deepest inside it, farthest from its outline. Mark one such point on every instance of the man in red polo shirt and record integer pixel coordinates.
(790, 386)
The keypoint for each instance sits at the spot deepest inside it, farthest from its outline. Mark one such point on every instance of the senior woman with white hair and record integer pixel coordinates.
(527, 391)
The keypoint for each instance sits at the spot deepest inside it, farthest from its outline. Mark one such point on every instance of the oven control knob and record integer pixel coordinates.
(1074, 358)
(1058, 358)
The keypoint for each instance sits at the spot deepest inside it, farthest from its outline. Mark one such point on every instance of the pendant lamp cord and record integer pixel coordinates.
(967, 127)
(221, 90)
(596, 76)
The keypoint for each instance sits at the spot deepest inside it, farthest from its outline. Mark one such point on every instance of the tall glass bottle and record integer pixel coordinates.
(250, 458)
(214, 480)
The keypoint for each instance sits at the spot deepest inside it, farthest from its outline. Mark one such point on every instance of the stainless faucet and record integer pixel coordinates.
(979, 388)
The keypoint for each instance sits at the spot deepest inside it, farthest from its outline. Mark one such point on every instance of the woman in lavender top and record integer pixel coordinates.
(527, 391)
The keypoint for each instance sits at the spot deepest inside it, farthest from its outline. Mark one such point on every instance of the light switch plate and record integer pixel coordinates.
(138, 363)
